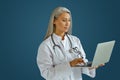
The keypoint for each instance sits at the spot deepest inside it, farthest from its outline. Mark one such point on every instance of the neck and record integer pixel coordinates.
(61, 34)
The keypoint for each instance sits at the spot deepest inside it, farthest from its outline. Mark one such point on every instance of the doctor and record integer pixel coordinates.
(60, 51)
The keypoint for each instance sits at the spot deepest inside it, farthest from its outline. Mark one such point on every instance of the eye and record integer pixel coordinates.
(69, 20)
(63, 20)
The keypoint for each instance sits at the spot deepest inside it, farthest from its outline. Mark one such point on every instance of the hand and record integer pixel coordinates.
(95, 67)
(76, 61)
(101, 65)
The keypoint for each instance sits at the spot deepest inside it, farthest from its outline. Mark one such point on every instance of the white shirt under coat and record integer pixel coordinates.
(55, 66)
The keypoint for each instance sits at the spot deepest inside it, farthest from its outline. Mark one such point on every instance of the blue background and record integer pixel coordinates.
(23, 24)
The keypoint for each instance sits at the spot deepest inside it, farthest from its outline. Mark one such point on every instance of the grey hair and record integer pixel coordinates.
(57, 11)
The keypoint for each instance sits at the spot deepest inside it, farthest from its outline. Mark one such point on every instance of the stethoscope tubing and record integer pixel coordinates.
(75, 49)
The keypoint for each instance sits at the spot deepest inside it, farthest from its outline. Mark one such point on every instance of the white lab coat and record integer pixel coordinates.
(55, 66)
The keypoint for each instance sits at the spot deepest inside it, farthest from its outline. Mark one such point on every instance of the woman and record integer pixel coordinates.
(60, 51)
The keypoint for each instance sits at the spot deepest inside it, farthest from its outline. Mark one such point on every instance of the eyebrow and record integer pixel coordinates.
(66, 17)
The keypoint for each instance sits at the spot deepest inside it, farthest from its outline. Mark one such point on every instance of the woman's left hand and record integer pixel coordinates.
(95, 67)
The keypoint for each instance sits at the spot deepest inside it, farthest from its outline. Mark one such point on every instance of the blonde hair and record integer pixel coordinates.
(57, 11)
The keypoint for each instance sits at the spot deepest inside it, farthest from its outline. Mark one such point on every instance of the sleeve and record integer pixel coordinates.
(47, 69)
(86, 70)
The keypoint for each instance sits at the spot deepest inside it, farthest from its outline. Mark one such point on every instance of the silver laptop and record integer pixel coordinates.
(102, 54)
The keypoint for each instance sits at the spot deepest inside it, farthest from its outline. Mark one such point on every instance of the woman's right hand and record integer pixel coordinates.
(76, 61)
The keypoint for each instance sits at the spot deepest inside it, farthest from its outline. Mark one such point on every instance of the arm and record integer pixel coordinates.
(47, 68)
(90, 72)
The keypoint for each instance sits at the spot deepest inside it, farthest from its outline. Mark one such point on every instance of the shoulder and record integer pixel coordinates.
(73, 37)
(44, 48)
(45, 43)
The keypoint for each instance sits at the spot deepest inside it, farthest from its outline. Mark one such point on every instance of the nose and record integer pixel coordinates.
(67, 23)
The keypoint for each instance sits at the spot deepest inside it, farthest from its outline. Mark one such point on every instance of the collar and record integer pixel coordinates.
(59, 37)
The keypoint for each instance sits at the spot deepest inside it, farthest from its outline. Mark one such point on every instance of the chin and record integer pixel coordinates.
(64, 31)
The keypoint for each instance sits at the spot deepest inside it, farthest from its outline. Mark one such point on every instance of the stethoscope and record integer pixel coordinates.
(71, 50)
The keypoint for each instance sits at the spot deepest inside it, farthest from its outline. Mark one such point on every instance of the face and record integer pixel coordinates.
(62, 23)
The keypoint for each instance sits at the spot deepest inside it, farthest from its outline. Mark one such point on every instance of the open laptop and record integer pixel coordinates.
(102, 54)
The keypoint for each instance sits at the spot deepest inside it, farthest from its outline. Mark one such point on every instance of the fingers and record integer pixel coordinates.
(80, 61)
(76, 61)
(101, 65)
(95, 67)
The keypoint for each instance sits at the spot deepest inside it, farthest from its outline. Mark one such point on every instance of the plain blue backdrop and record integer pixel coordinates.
(23, 24)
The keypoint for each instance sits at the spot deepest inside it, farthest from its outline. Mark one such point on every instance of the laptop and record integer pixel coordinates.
(102, 54)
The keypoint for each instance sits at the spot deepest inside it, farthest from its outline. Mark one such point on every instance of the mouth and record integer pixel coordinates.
(65, 27)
